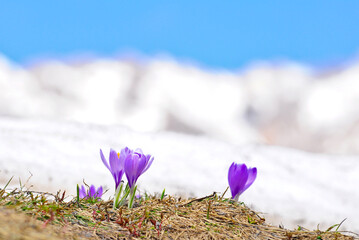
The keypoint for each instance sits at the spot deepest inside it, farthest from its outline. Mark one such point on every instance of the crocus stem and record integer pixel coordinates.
(132, 196)
(126, 191)
(78, 194)
(117, 196)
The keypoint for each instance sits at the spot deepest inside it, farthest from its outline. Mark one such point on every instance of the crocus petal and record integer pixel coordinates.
(149, 160)
(114, 161)
(232, 172)
(92, 191)
(104, 160)
(82, 192)
(242, 178)
(142, 161)
(139, 150)
(131, 168)
(123, 154)
(252, 175)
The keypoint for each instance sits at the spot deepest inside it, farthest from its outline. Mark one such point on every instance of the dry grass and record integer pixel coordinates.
(33, 215)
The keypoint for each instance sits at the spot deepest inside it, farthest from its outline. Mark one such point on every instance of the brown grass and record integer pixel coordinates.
(33, 215)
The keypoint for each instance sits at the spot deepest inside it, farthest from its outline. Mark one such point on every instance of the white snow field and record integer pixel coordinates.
(292, 187)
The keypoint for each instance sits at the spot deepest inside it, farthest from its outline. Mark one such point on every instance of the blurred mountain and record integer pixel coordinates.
(279, 104)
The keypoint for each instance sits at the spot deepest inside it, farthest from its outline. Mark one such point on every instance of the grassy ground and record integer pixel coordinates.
(33, 215)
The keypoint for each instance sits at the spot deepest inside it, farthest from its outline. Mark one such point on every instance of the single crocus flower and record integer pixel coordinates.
(136, 163)
(240, 178)
(116, 165)
(92, 193)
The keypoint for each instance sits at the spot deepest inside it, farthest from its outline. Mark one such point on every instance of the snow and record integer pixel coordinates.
(334, 99)
(293, 187)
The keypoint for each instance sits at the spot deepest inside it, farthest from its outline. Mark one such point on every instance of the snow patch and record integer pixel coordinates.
(292, 187)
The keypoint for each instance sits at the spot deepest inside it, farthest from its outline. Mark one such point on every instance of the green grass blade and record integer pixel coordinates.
(163, 194)
(126, 192)
(7, 184)
(117, 195)
(78, 193)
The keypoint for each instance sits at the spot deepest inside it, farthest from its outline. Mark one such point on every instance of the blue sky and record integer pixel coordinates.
(215, 34)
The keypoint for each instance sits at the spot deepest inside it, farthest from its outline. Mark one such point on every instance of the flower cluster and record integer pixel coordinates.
(92, 193)
(132, 163)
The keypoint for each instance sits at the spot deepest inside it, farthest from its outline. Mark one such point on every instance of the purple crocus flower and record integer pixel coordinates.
(92, 193)
(116, 166)
(240, 178)
(136, 163)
